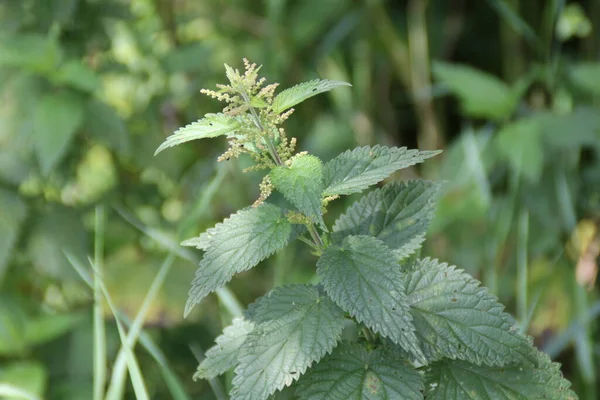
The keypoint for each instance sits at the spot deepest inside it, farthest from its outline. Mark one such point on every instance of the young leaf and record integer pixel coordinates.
(353, 372)
(363, 277)
(586, 76)
(301, 184)
(457, 319)
(457, 380)
(57, 118)
(482, 95)
(212, 125)
(297, 94)
(353, 171)
(238, 244)
(397, 214)
(295, 326)
(225, 354)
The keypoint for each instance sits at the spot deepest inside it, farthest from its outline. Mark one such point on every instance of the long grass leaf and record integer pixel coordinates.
(99, 327)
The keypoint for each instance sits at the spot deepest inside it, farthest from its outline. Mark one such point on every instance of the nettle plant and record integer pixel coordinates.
(380, 323)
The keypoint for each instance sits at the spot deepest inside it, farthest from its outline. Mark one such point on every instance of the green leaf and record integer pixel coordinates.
(397, 214)
(457, 380)
(457, 319)
(238, 244)
(77, 75)
(353, 372)
(30, 51)
(519, 143)
(297, 94)
(586, 76)
(571, 131)
(295, 325)
(363, 277)
(225, 354)
(212, 125)
(353, 171)
(12, 214)
(482, 95)
(106, 126)
(31, 376)
(57, 118)
(302, 184)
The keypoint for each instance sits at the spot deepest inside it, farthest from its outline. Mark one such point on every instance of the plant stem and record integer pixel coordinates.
(315, 235)
(523, 236)
(259, 125)
(99, 328)
(368, 334)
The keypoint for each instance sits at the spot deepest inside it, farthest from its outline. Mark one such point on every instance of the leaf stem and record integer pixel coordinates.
(315, 235)
(259, 125)
(368, 335)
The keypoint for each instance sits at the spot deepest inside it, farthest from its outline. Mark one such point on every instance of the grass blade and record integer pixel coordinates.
(13, 392)
(522, 238)
(99, 326)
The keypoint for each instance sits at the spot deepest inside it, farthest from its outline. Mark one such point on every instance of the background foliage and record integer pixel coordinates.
(90, 88)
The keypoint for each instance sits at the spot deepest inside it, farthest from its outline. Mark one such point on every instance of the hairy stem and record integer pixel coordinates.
(315, 235)
(259, 125)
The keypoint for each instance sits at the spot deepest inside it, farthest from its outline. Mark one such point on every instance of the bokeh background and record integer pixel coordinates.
(510, 89)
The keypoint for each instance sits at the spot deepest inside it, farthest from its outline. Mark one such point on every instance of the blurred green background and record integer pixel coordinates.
(510, 89)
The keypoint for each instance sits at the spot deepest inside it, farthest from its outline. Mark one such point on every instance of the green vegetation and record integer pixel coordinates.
(91, 221)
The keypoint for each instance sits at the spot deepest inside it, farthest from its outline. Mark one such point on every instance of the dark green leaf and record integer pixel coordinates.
(57, 118)
(519, 143)
(353, 171)
(457, 319)
(238, 244)
(458, 380)
(353, 372)
(397, 214)
(301, 184)
(225, 354)
(297, 94)
(12, 214)
(295, 325)
(586, 76)
(363, 277)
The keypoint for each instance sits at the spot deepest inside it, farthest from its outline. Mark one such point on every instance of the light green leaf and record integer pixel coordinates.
(238, 244)
(519, 143)
(57, 118)
(458, 380)
(30, 51)
(212, 125)
(363, 277)
(295, 325)
(397, 214)
(482, 95)
(225, 354)
(77, 75)
(301, 184)
(353, 372)
(31, 376)
(297, 94)
(353, 171)
(586, 76)
(12, 213)
(457, 319)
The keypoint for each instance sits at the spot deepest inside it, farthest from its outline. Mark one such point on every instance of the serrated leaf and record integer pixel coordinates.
(301, 184)
(457, 380)
(57, 118)
(457, 319)
(295, 325)
(224, 355)
(354, 171)
(482, 95)
(397, 214)
(297, 94)
(363, 277)
(353, 372)
(212, 125)
(238, 244)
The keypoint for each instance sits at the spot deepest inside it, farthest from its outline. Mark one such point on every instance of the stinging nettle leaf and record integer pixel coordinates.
(355, 170)
(225, 354)
(456, 318)
(238, 244)
(297, 94)
(363, 277)
(212, 125)
(457, 380)
(397, 214)
(301, 184)
(295, 326)
(353, 372)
